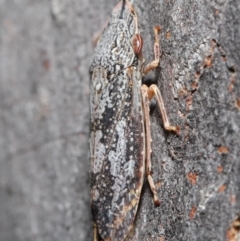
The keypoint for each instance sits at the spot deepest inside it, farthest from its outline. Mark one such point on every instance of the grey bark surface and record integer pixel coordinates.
(45, 51)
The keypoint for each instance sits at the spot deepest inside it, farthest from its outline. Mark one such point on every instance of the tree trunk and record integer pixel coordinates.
(45, 51)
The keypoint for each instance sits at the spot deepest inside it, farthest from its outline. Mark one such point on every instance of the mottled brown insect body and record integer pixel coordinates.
(119, 138)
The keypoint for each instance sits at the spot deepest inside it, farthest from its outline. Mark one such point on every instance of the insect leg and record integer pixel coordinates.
(95, 232)
(153, 90)
(154, 64)
(147, 94)
(145, 99)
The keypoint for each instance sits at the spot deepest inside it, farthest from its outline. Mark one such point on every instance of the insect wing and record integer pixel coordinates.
(117, 146)
(117, 159)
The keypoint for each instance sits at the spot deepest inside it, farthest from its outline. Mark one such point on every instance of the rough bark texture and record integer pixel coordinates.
(45, 50)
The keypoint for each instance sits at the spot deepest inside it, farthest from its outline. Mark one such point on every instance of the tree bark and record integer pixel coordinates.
(45, 51)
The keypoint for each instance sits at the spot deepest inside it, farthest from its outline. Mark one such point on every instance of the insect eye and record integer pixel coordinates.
(137, 43)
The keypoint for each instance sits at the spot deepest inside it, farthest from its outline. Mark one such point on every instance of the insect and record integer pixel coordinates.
(120, 139)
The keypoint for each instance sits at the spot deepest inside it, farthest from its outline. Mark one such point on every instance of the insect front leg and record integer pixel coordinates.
(154, 64)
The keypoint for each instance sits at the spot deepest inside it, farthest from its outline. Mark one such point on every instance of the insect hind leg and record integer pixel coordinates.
(95, 233)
